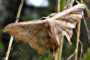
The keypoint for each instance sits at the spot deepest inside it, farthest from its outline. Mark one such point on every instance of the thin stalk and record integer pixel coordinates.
(9, 48)
(19, 10)
(60, 7)
(87, 29)
(59, 50)
(78, 40)
(11, 39)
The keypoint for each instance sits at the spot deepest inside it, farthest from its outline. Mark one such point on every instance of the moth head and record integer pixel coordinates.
(11, 29)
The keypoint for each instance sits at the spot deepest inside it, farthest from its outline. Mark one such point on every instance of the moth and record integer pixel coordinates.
(46, 34)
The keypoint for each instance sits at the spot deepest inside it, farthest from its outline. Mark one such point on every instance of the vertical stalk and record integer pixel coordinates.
(78, 37)
(78, 40)
(58, 55)
(11, 39)
(59, 50)
(60, 7)
(9, 48)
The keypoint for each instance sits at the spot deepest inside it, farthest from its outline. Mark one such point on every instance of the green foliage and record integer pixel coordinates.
(87, 56)
(26, 18)
(45, 57)
(22, 51)
(1, 45)
(62, 4)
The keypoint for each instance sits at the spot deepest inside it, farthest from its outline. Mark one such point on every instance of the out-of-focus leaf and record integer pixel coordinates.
(1, 45)
(62, 4)
(87, 56)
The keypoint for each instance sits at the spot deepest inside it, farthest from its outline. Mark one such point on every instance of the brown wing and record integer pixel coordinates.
(37, 35)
